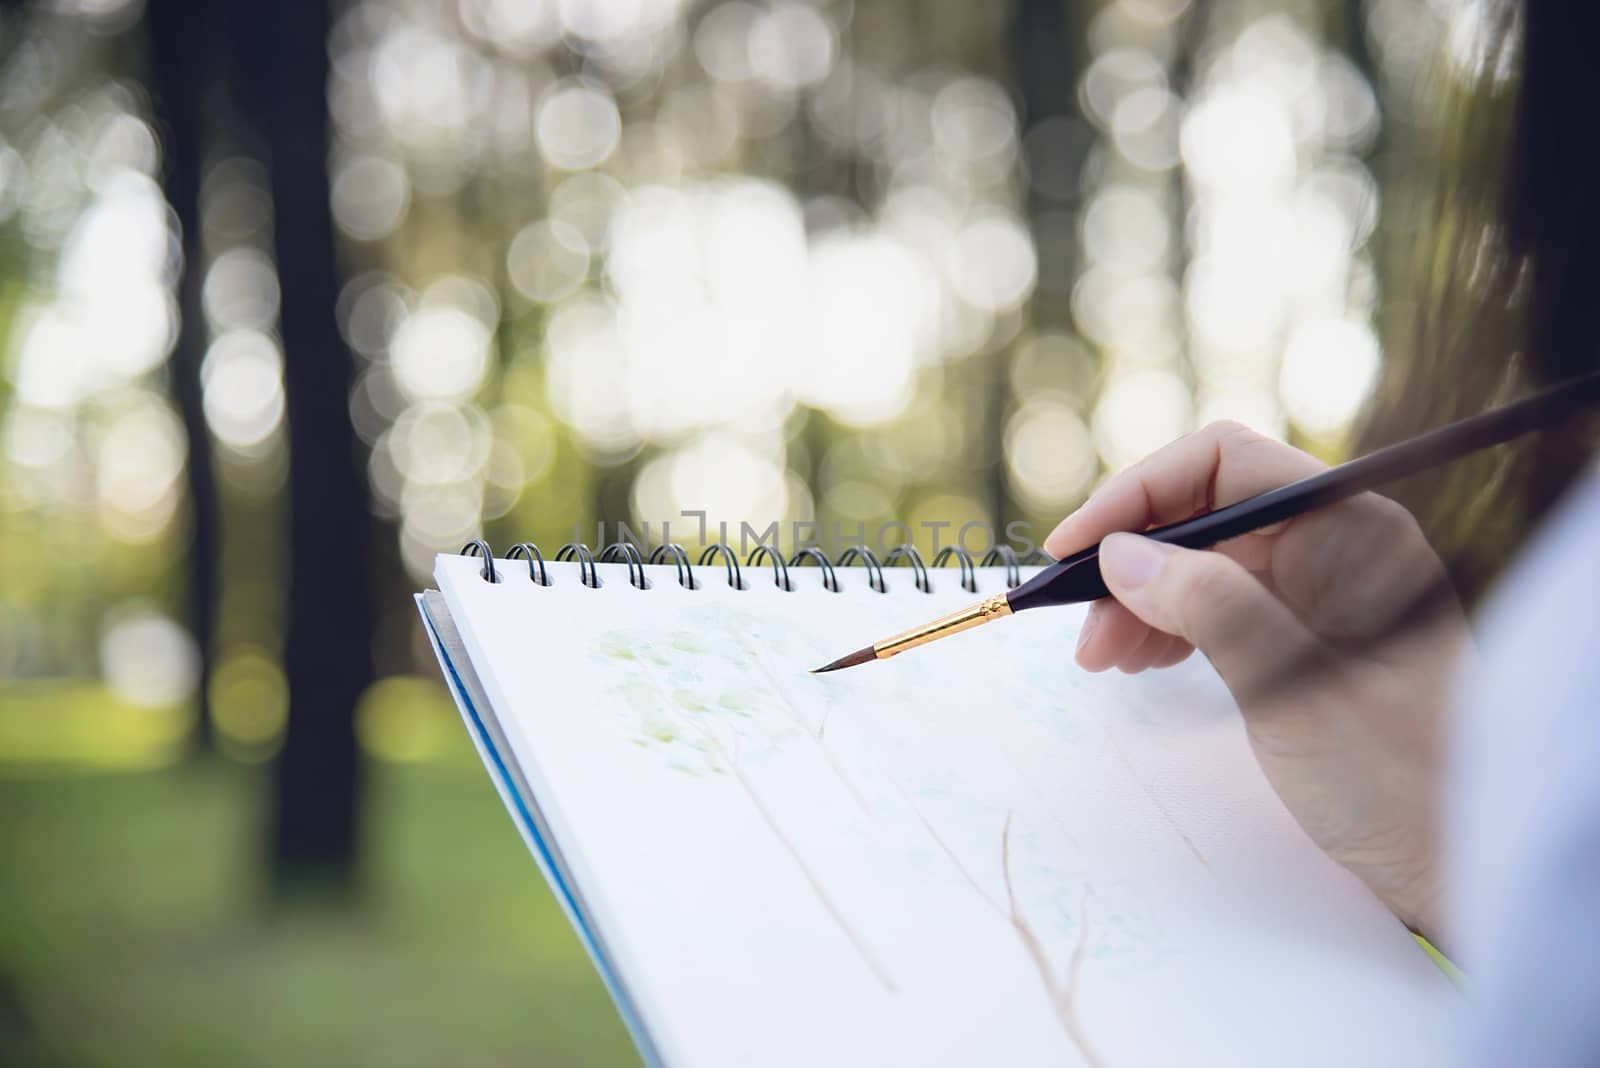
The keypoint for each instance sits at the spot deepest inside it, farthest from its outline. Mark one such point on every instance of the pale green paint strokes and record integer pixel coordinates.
(679, 675)
(688, 642)
(661, 730)
(638, 694)
(617, 651)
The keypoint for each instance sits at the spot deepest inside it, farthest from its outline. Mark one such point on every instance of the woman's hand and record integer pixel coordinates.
(1330, 630)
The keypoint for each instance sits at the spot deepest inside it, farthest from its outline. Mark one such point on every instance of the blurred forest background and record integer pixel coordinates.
(293, 297)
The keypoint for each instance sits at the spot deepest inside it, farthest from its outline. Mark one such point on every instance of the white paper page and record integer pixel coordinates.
(972, 853)
(465, 688)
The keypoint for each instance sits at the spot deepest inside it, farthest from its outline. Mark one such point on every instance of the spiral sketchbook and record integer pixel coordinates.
(973, 853)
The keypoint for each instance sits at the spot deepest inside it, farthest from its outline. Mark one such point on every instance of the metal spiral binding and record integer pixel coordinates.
(629, 552)
(588, 574)
(780, 570)
(735, 577)
(830, 581)
(679, 557)
(969, 574)
(541, 577)
(870, 558)
(908, 552)
(479, 547)
(1008, 556)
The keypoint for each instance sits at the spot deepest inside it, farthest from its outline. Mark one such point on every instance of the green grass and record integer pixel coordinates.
(134, 931)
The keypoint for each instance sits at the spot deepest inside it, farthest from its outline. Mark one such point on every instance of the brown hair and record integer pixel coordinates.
(1502, 292)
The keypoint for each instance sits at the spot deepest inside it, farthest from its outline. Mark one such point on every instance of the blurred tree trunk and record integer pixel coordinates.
(1046, 53)
(283, 55)
(181, 40)
(1046, 59)
(1185, 74)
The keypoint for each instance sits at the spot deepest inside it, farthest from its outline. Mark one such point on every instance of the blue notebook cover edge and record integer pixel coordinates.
(523, 813)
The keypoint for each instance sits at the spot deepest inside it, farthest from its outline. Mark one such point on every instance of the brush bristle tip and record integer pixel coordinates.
(860, 656)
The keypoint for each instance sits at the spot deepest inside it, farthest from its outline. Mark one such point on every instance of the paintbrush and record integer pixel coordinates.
(1076, 578)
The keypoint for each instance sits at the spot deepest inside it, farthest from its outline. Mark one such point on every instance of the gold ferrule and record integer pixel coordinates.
(989, 608)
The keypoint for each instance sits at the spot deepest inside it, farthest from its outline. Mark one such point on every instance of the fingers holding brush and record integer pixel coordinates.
(1209, 601)
(1113, 637)
(1175, 651)
(1157, 650)
(1220, 464)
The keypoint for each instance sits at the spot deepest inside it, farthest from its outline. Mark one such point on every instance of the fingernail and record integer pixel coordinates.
(1130, 561)
(1089, 623)
(1051, 540)
(1051, 544)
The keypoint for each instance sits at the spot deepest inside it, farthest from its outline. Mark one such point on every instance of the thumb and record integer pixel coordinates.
(1210, 601)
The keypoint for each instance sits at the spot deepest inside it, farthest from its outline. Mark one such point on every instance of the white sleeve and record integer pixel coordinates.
(1523, 807)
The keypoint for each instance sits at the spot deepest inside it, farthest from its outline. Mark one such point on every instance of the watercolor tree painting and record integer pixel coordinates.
(714, 696)
(702, 730)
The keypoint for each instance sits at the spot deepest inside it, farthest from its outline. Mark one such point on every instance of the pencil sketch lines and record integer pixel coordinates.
(1074, 970)
(1150, 795)
(960, 867)
(799, 718)
(1063, 995)
(873, 963)
(723, 748)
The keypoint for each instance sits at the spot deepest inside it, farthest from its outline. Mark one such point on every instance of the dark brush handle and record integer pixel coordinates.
(1077, 578)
